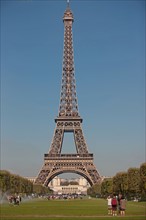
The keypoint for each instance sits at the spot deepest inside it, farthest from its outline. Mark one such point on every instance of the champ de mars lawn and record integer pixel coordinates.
(80, 209)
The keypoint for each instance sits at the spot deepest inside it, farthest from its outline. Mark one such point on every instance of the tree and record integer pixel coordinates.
(4, 180)
(73, 183)
(134, 182)
(143, 180)
(40, 190)
(120, 183)
(124, 184)
(65, 183)
(107, 187)
(14, 183)
(95, 190)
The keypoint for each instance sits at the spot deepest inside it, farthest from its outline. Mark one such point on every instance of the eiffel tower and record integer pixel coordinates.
(68, 120)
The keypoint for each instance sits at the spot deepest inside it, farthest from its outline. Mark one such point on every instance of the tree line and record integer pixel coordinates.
(13, 184)
(67, 183)
(131, 184)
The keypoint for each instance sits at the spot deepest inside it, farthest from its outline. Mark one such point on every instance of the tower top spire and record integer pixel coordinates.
(68, 15)
(67, 3)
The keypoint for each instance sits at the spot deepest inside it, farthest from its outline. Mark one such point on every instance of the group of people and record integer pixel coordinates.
(14, 200)
(116, 205)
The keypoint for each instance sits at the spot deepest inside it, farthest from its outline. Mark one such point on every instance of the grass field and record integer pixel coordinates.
(68, 210)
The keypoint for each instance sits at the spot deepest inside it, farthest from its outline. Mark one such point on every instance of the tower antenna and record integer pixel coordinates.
(67, 3)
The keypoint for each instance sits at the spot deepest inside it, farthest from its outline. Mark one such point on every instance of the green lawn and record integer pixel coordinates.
(69, 209)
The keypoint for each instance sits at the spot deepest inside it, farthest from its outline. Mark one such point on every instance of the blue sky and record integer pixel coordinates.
(109, 54)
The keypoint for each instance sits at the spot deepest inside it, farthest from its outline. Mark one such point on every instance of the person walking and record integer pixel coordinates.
(109, 204)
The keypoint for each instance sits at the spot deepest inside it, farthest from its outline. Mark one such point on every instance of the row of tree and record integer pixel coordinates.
(12, 183)
(67, 183)
(131, 184)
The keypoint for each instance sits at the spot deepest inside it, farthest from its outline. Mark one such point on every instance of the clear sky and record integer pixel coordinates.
(109, 54)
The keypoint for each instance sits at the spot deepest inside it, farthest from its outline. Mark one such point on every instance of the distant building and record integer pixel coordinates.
(57, 185)
(58, 188)
(32, 179)
(105, 177)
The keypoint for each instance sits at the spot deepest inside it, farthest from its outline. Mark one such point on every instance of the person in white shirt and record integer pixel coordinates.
(109, 205)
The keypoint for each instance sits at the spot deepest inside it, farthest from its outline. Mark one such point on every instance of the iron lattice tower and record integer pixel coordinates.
(68, 120)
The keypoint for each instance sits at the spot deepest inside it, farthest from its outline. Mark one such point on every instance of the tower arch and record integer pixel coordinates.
(56, 173)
